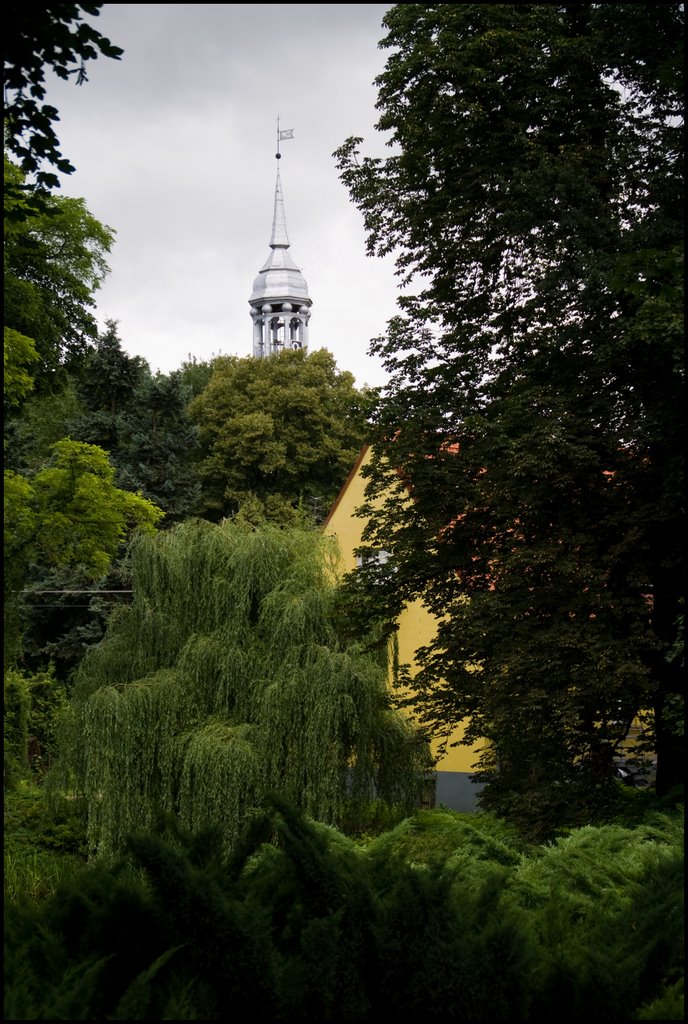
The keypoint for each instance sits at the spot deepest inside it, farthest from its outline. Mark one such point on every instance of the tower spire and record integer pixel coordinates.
(280, 304)
(279, 235)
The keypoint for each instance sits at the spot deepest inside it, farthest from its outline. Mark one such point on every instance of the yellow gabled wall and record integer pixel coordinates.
(416, 624)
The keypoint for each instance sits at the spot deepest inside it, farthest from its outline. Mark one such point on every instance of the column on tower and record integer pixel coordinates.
(303, 325)
(258, 334)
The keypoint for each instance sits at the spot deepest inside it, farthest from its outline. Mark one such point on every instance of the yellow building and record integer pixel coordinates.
(453, 786)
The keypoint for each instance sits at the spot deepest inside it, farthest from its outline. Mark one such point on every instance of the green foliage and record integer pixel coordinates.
(225, 679)
(39, 818)
(107, 382)
(32, 705)
(71, 513)
(16, 706)
(534, 415)
(113, 401)
(196, 374)
(670, 1005)
(606, 908)
(63, 611)
(366, 821)
(301, 924)
(44, 843)
(54, 36)
(278, 430)
(48, 700)
(45, 419)
(19, 353)
(141, 420)
(16, 500)
(157, 450)
(32, 875)
(441, 834)
(54, 260)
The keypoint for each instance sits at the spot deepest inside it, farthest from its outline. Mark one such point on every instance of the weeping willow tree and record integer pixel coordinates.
(225, 679)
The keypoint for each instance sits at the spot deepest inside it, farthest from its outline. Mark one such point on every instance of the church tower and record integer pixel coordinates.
(280, 304)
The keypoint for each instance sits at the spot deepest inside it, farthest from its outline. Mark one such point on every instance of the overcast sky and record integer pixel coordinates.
(174, 148)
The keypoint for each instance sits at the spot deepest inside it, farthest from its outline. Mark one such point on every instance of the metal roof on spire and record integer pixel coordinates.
(279, 279)
(279, 237)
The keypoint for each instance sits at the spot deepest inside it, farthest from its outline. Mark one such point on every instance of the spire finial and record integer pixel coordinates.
(286, 134)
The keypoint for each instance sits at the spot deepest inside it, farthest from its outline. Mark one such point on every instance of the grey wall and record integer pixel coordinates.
(456, 791)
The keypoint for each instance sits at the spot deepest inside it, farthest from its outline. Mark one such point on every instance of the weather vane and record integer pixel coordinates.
(288, 133)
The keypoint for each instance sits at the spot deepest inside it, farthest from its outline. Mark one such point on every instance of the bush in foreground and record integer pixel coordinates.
(446, 916)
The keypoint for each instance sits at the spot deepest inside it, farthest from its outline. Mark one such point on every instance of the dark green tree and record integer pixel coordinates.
(107, 383)
(36, 38)
(278, 431)
(64, 611)
(158, 446)
(41, 421)
(15, 733)
(110, 375)
(141, 419)
(529, 445)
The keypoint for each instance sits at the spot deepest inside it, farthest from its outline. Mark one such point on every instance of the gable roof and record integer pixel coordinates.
(345, 486)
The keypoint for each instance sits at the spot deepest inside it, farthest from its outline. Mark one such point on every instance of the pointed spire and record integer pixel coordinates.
(280, 303)
(279, 238)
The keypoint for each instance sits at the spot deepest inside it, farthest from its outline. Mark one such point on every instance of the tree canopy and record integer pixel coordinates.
(279, 431)
(227, 678)
(69, 514)
(55, 260)
(19, 358)
(141, 419)
(36, 38)
(78, 516)
(533, 201)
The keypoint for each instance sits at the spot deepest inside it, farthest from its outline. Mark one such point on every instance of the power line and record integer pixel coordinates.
(76, 591)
